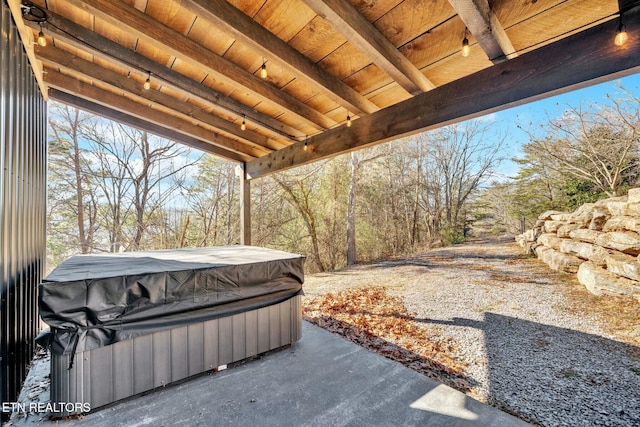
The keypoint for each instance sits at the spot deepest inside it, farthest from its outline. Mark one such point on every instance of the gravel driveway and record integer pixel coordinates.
(532, 349)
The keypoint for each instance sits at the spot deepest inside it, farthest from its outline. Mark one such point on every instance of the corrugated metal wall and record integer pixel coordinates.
(23, 155)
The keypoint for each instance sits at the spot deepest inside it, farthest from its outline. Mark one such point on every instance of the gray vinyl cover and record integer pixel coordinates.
(92, 300)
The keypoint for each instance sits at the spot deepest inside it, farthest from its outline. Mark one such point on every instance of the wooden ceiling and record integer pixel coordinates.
(394, 67)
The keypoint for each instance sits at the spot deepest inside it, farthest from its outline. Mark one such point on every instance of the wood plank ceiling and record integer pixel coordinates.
(390, 67)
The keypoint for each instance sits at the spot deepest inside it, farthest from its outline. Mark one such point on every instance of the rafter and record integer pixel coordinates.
(354, 27)
(485, 27)
(139, 123)
(156, 34)
(103, 48)
(224, 15)
(118, 102)
(580, 60)
(56, 58)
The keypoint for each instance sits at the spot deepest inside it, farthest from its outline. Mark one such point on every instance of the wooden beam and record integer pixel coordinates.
(120, 14)
(27, 40)
(81, 38)
(485, 27)
(138, 123)
(580, 60)
(56, 58)
(245, 205)
(129, 107)
(225, 16)
(346, 20)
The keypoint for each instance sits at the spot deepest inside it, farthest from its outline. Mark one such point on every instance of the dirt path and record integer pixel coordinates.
(532, 341)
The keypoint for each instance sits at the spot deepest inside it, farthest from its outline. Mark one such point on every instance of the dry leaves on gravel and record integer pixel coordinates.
(380, 322)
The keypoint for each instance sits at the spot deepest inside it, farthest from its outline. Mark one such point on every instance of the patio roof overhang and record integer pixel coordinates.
(394, 67)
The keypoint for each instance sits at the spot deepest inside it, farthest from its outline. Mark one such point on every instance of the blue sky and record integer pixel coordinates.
(541, 111)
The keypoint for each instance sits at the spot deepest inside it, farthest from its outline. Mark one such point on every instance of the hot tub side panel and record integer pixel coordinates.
(104, 375)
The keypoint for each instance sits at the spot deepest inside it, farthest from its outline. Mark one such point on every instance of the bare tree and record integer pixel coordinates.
(298, 192)
(68, 184)
(598, 144)
(457, 159)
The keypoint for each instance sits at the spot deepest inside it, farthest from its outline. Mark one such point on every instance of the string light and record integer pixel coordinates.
(465, 44)
(348, 120)
(263, 70)
(621, 36)
(306, 143)
(147, 83)
(243, 126)
(42, 41)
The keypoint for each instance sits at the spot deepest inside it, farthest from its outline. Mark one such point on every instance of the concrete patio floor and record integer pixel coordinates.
(323, 380)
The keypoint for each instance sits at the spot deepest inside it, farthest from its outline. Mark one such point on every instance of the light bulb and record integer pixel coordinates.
(147, 84)
(621, 37)
(465, 47)
(263, 71)
(348, 121)
(243, 126)
(42, 41)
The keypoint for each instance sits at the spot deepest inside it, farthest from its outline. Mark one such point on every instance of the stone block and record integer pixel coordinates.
(564, 217)
(550, 240)
(633, 196)
(585, 235)
(552, 226)
(623, 241)
(587, 251)
(560, 262)
(565, 230)
(623, 209)
(546, 216)
(604, 202)
(602, 282)
(582, 215)
(616, 207)
(622, 223)
(623, 265)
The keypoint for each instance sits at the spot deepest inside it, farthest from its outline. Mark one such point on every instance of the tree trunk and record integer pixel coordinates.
(351, 211)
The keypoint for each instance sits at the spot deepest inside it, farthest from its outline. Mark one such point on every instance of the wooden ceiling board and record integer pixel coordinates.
(307, 94)
(374, 9)
(187, 70)
(80, 17)
(210, 37)
(249, 7)
(412, 18)
(321, 103)
(284, 18)
(218, 85)
(115, 34)
(456, 66)
(156, 54)
(171, 14)
(345, 61)
(317, 40)
(510, 12)
(389, 95)
(87, 56)
(370, 78)
(557, 21)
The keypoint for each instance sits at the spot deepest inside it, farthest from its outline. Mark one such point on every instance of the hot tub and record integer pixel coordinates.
(123, 324)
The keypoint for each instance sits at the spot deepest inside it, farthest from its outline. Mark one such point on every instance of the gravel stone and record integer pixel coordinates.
(527, 351)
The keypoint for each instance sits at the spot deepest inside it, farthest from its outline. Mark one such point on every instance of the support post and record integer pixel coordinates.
(245, 206)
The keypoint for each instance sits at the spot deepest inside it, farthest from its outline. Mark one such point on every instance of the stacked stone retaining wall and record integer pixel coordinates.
(599, 242)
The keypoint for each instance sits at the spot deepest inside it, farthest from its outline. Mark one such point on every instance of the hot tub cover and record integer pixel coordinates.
(95, 300)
